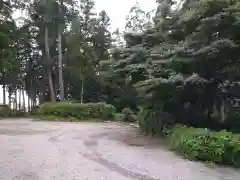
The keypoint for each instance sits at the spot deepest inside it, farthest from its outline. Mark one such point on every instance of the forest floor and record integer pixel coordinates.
(35, 150)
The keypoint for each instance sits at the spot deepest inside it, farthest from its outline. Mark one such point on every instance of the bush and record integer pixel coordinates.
(119, 117)
(202, 144)
(34, 110)
(128, 115)
(19, 113)
(78, 111)
(233, 120)
(153, 121)
(5, 111)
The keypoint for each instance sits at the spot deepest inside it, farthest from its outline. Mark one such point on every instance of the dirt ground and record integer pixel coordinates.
(34, 150)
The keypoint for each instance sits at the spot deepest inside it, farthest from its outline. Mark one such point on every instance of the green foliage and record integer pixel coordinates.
(152, 121)
(128, 115)
(34, 110)
(233, 120)
(181, 67)
(78, 111)
(119, 117)
(202, 144)
(18, 113)
(234, 115)
(58, 118)
(55, 118)
(5, 111)
(138, 20)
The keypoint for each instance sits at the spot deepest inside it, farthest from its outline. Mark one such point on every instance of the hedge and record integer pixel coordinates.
(153, 121)
(78, 111)
(128, 115)
(5, 111)
(202, 144)
(233, 121)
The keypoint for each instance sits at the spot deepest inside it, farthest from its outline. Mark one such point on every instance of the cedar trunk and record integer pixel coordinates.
(60, 58)
(49, 72)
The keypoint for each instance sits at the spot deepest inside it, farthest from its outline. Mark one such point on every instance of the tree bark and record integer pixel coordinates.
(29, 104)
(66, 90)
(24, 104)
(20, 99)
(32, 103)
(15, 98)
(82, 91)
(49, 72)
(222, 111)
(34, 99)
(4, 94)
(51, 89)
(42, 92)
(9, 98)
(60, 58)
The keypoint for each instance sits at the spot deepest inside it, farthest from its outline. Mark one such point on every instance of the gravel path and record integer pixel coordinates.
(95, 151)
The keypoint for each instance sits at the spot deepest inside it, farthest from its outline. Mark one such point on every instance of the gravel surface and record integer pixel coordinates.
(33, 150)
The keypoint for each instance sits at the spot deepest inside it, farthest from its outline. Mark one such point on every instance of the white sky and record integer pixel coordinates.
(118, 10)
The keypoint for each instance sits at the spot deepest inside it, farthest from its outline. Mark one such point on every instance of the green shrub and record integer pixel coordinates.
(234, 115)
(19, 113)
(233, 120)
(119, 117)
(5, 111)
(34, 110)
(78, 111)
(128, 115)
(202, 144)
(153, 121)
(57, 118)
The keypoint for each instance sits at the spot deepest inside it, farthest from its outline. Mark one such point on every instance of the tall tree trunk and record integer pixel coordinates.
(30, 96)
(4, 94)
(15, 99)
(42, 92)
(32, 103)
(222, 116)
(49, 72)
(24, 104)
(34, 99)
(82, 91)
(29, 104)
(20, 99)
(60, 57)
(51, 88)
(9, 98)
(65, 90)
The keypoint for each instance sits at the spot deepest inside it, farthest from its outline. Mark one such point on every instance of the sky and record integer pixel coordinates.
(118, 10)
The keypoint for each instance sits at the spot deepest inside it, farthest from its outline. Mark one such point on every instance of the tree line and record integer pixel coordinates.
(54, 51)
(179, 62)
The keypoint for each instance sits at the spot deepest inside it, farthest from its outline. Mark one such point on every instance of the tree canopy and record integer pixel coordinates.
(180, 60)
